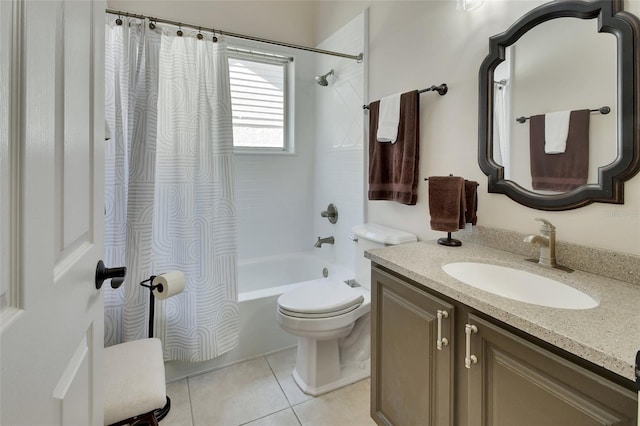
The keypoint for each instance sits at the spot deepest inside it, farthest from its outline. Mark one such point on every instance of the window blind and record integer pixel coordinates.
(258, 102)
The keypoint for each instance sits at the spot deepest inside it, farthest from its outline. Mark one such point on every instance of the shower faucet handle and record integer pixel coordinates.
(331, 213)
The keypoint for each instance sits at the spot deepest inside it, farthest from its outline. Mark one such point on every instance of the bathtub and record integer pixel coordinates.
(273, 275)
(260, 282)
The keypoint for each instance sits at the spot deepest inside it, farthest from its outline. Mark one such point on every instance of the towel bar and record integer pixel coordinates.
(602, 110)
(477, 184)
(441, 89)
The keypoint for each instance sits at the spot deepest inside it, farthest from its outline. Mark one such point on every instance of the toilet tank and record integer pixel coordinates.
(371, 235)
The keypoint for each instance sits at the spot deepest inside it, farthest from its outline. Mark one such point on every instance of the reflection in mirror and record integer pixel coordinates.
(562, 64)
(502, 111)
(554, 69)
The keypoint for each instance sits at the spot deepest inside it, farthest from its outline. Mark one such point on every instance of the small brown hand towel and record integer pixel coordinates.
(447, 203)
(393, 167)
(471, 199)
(560, 172)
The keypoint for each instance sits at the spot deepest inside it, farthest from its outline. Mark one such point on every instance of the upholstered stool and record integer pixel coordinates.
(134, 382)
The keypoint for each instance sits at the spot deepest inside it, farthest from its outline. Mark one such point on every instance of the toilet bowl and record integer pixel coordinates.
(331, 320)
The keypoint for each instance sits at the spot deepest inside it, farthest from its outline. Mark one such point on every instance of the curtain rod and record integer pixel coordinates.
(236, 35)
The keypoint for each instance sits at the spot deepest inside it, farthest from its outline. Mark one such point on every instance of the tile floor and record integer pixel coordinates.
(261, 392)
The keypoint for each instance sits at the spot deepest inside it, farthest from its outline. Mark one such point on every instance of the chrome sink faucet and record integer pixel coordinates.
(547, 241)
(321, 241)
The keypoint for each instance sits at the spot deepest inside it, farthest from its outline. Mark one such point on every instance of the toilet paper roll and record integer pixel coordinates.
(169, 284)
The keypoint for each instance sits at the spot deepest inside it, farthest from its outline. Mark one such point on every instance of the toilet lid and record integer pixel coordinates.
(320, 300)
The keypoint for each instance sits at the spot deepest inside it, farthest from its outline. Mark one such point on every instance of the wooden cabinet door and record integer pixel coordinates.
(411, 379)
(517, 383)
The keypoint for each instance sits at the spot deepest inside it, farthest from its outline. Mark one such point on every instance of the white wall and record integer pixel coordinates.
(274, 192)
(280, 197)
(413, 45)
(339, 150)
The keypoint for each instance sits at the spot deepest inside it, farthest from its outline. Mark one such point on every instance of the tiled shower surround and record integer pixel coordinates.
(280, 196)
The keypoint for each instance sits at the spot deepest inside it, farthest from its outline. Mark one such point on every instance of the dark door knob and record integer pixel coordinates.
(115, 274)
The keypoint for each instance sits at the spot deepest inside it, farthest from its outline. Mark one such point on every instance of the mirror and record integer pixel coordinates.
(562, 56)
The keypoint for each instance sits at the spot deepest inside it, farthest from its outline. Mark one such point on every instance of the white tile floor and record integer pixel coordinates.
(261, 392)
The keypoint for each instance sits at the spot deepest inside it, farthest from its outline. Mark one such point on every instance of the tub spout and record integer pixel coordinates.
(321, 241)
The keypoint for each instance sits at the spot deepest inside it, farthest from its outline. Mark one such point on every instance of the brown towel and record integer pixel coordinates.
(393, 168)
(560, 172)
(471, 200)
(447, 203)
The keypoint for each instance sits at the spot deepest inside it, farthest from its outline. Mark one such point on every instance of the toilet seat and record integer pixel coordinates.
(320, 301)
(317, 315)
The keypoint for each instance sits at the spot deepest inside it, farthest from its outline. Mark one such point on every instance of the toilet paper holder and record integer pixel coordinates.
(162, 286)
(152, 299)
(160, 413)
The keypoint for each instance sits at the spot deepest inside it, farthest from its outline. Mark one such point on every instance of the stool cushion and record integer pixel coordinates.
(134, 379)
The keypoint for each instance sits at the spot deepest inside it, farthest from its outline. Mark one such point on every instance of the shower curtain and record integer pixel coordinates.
(502, 88)
(169, 188)
(501, 151)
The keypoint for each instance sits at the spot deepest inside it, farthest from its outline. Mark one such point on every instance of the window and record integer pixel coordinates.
(259, 102)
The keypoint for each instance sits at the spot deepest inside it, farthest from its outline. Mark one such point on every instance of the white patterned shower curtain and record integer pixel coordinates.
(501, 149)
(169, 189)
(502, 89)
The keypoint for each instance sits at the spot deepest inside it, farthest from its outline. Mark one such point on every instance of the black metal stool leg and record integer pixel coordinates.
(161, 413)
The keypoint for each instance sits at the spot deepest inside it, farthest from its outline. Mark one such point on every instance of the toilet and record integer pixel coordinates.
(331, 320)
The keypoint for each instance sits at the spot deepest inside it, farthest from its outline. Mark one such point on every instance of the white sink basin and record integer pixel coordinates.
(519, 285)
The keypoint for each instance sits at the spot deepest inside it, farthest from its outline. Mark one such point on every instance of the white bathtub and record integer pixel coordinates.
(273, 275)
(260, 282)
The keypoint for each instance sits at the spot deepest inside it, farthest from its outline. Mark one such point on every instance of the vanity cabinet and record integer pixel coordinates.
(515, 382)
(485, 375)
(411, 368)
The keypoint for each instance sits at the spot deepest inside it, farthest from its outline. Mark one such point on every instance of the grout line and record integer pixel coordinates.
(267, 415)
(295, 413)
(190, 403)
(278, 382)
(291, 406)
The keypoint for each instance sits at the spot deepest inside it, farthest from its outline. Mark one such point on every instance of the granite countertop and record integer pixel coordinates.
(608, 335)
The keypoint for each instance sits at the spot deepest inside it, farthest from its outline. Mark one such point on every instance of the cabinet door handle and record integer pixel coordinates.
(469, 359)
(442, 341)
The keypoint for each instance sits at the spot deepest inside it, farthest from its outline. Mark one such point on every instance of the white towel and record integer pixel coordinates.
(389, 119)
(556, 131)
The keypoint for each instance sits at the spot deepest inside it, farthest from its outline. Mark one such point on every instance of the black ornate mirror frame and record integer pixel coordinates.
(611, 19)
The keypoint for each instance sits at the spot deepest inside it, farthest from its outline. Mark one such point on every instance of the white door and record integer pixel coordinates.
(51, 200)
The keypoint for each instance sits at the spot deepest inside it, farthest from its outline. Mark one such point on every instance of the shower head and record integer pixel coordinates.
(322, 79)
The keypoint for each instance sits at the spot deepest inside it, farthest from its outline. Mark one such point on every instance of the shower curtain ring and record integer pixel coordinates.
(200, 36)
(152, 25)
(214, 38)
(119, 21)
(179, 30)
